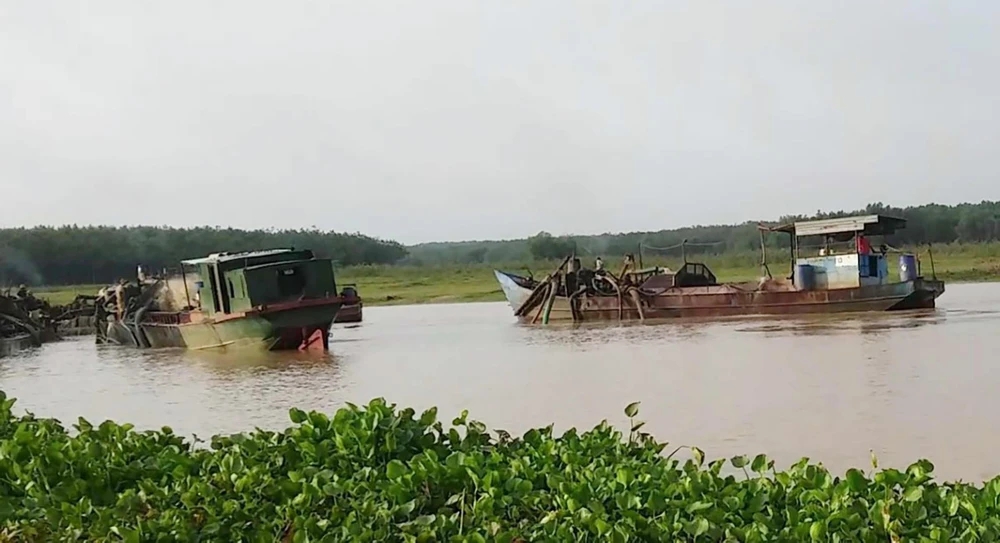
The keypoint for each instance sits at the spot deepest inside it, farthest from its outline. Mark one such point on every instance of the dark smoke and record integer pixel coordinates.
(16, 267)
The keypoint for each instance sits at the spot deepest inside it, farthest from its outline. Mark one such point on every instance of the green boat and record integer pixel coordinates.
(273, 300)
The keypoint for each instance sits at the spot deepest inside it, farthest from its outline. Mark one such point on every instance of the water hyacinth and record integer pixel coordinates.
(378, 473)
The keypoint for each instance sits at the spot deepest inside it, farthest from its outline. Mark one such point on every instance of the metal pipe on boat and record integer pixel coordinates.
(536, 299)
(573, 300)
(553, 291)
(527, 305)
(634, 294)
(763, 255)
(530, 302)
(127, 333)
(548, 311)
(610, 278)
(541, 306)
(930, 254)
(187, 295)
(139, 333)
(794, 247)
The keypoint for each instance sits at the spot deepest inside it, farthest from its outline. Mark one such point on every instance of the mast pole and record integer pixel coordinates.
(187, 295)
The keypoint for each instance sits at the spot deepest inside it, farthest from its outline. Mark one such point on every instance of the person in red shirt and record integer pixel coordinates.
(863, 246)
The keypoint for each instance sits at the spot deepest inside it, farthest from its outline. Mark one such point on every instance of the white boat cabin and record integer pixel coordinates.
(845, 256)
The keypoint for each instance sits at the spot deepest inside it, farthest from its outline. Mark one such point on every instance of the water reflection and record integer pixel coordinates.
(829, 387)
(254, 360)
(873, 323)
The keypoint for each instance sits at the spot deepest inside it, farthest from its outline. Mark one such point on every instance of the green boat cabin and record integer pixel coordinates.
(239, 282)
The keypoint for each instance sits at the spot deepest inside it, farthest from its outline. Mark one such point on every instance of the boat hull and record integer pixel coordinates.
(349, 313)
(302, 328)
(77, 326)
(14, 344)
(730, 301)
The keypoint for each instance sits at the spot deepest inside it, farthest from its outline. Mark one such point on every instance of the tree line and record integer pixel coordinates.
(102, 254)
(931, 223)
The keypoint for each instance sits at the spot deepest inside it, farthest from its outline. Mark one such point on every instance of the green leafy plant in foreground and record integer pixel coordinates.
(379, 473)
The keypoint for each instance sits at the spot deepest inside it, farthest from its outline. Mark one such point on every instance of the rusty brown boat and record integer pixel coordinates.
(832, 281)
(24, 322)
(352, 310)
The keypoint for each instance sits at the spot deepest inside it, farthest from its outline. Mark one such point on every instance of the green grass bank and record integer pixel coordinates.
(378, 473)
(381, 285)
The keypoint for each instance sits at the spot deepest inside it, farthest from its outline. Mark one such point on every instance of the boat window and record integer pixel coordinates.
(291, 282)
(232, 291)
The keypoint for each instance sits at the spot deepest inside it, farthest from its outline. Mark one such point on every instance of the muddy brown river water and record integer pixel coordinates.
(832, 388)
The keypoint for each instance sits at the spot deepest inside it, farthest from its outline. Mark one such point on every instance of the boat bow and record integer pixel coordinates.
(515, 293)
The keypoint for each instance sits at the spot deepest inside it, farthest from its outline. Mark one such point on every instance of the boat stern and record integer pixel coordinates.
(922, 296)
(303, 325)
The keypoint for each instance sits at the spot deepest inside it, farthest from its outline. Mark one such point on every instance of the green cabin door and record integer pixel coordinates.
(218, 293)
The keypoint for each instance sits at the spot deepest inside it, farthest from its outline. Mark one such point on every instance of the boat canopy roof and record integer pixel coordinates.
(228, 257)
(869, 225)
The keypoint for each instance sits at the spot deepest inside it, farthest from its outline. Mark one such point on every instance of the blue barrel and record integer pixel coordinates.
(907, 267)
(804, 277)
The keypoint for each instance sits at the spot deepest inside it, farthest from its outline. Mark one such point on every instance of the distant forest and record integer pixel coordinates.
(102, 254)
(930, 223)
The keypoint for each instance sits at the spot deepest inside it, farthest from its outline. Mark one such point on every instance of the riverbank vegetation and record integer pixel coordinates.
(932, 223)
(451, 283)
(378, 473)
(457, 283)
(69, 255)
(965, 238)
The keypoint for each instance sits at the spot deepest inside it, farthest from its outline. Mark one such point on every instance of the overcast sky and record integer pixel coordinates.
(464, 119)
